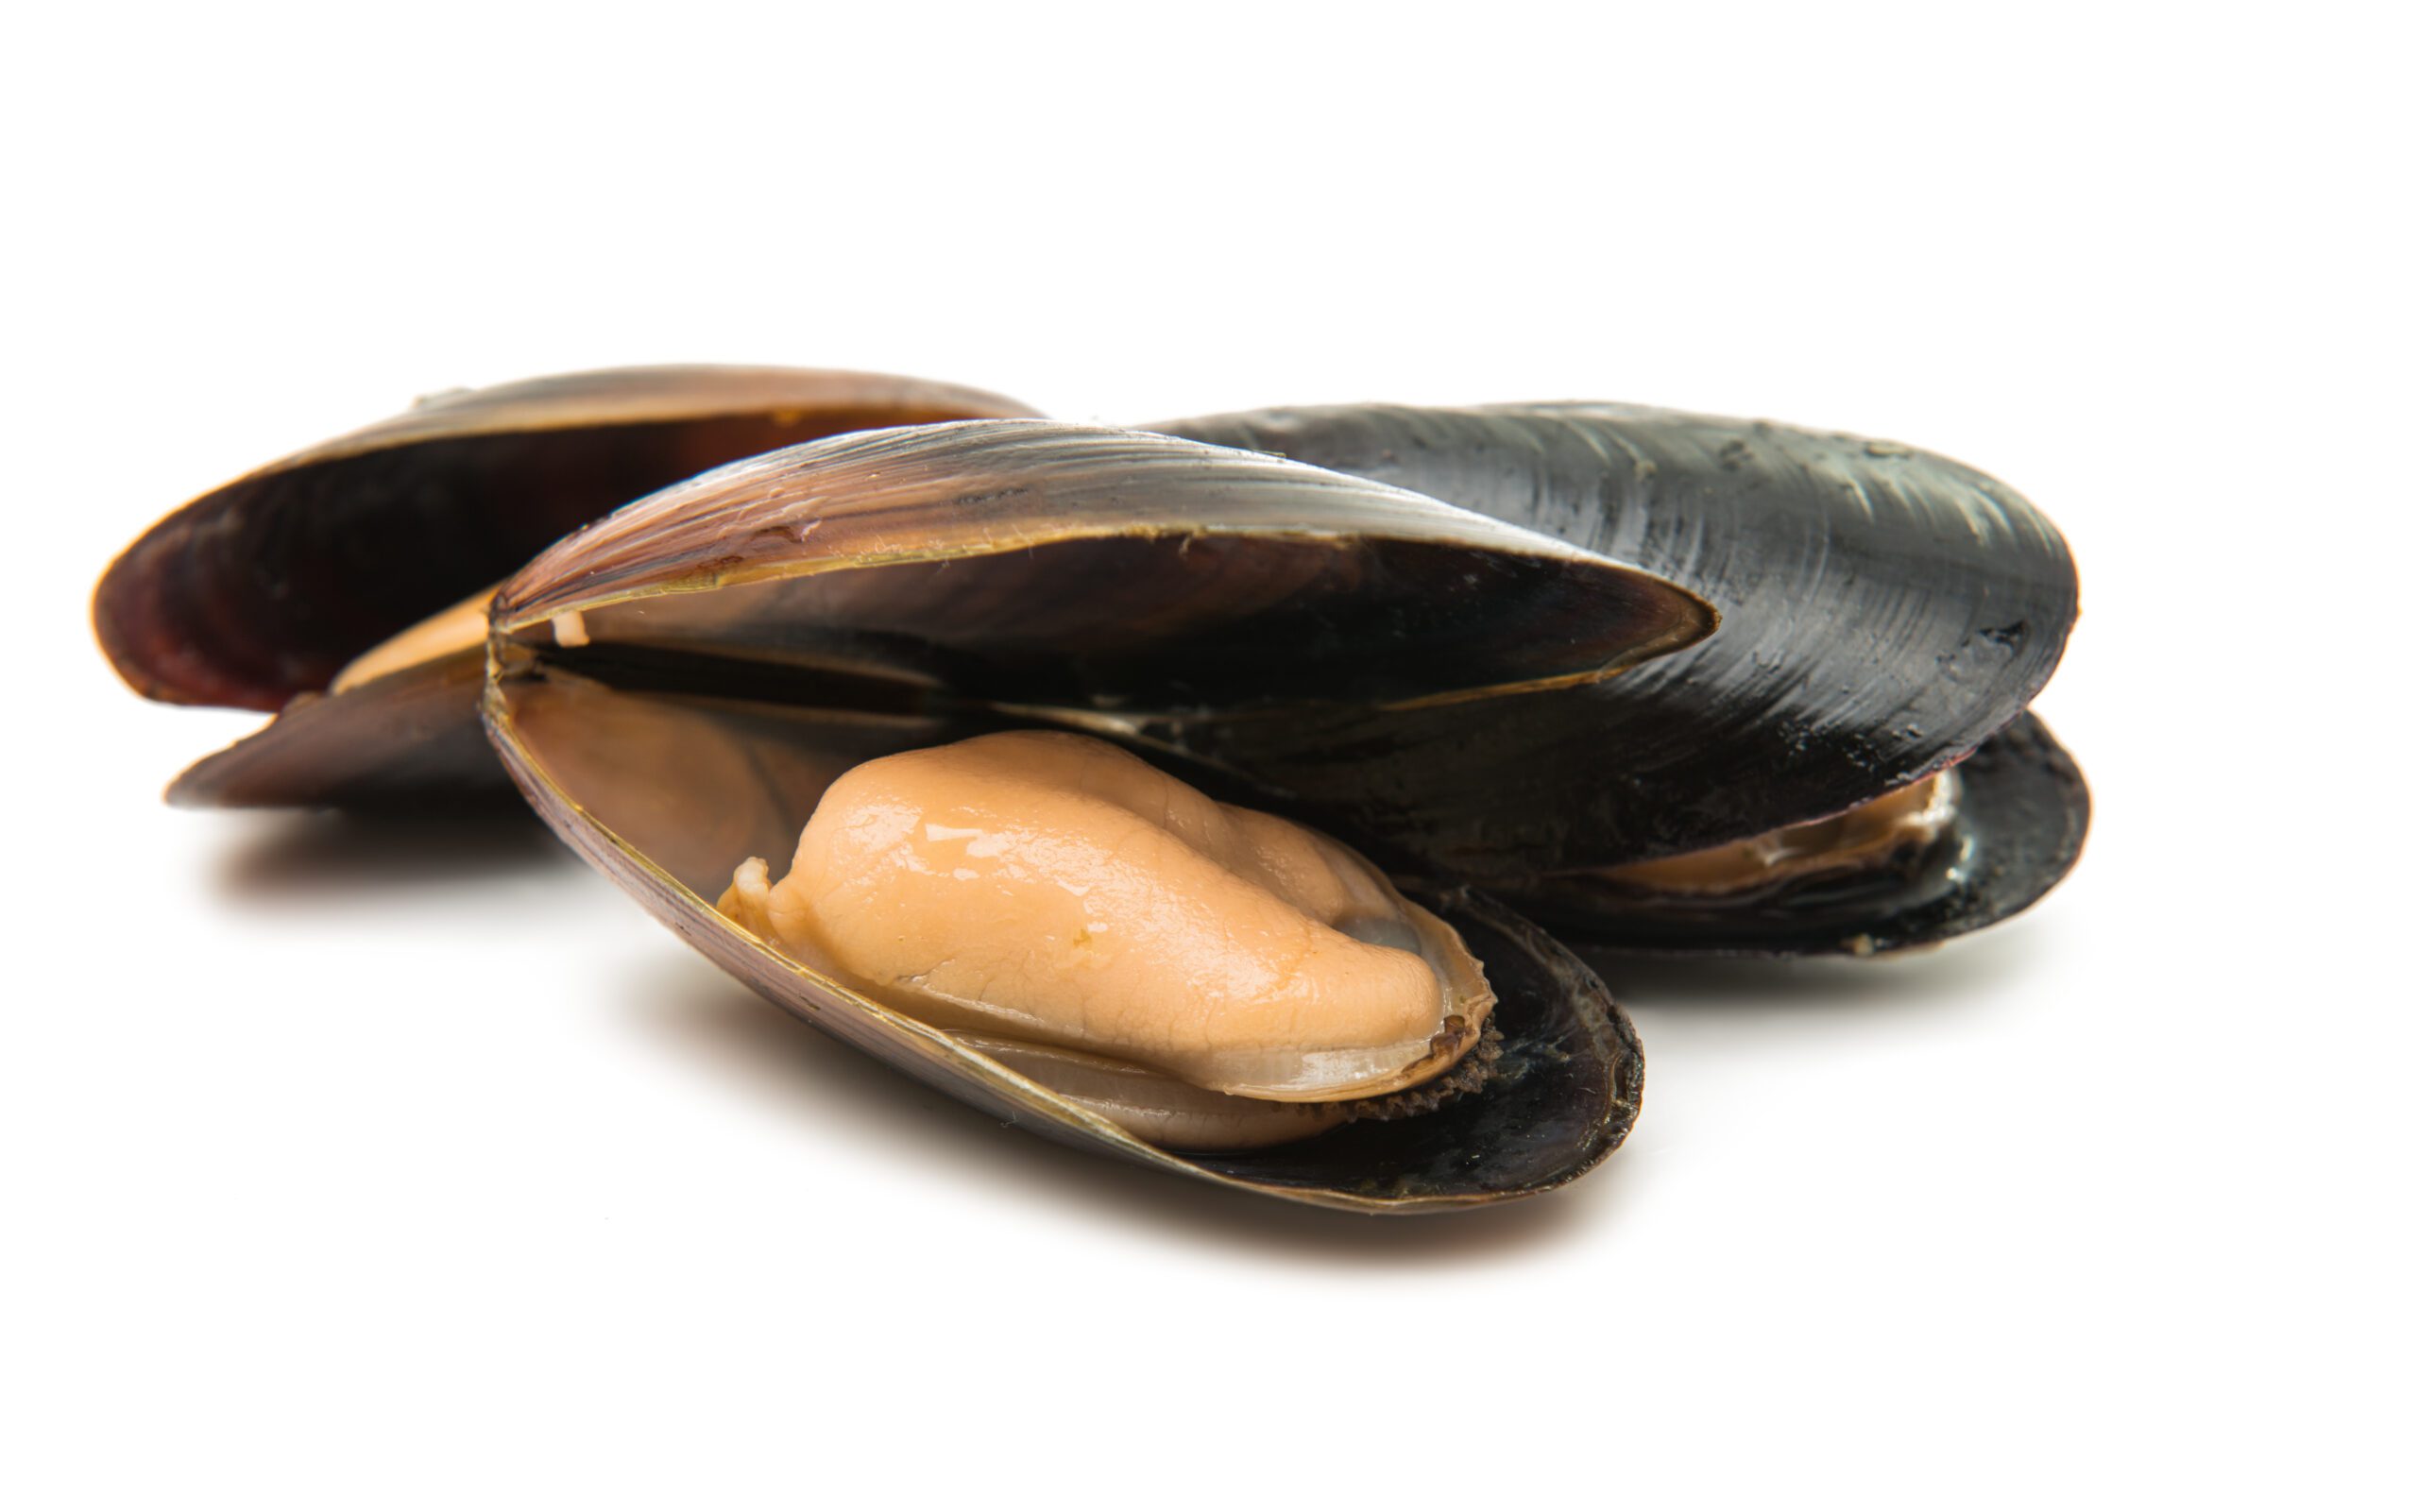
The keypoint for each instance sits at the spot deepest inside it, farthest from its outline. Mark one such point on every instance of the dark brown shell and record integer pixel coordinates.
(266, 587)
(407, 739)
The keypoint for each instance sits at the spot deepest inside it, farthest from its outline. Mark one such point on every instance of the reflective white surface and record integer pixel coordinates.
(361, 1165)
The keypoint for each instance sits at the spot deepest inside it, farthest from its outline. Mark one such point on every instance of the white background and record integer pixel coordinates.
(349, 1167)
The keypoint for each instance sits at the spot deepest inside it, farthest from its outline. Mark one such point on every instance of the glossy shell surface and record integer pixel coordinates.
(406, 740)
(262, 589)
(1883, 610)
(2020, 821)
(1886, 613)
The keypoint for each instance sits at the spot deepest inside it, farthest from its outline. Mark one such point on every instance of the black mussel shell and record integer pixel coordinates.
(2018, 829)
(1885, 611)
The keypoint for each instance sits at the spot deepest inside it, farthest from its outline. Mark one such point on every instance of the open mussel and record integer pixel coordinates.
(1845, 767)
(678, 688)
(288, 588)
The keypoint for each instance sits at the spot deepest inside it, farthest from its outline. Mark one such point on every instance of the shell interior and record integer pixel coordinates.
(264, 588)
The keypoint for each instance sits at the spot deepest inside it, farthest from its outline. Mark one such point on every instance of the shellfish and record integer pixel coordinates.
(261, 593)
(788, 617)
(1887, 617)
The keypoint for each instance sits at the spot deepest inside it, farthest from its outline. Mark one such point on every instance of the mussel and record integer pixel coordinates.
(782, 619)
(1847, 766)
(1470, 655)
(261, 594)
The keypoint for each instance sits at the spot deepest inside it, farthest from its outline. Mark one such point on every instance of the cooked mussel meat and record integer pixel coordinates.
(1202, 974)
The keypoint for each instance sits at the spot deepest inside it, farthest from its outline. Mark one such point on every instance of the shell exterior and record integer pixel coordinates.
(262, 589)
(1883, 611)
(653, 681)
(1100, 576)
(1886, 612)
(404, 740)
(2018, 829)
